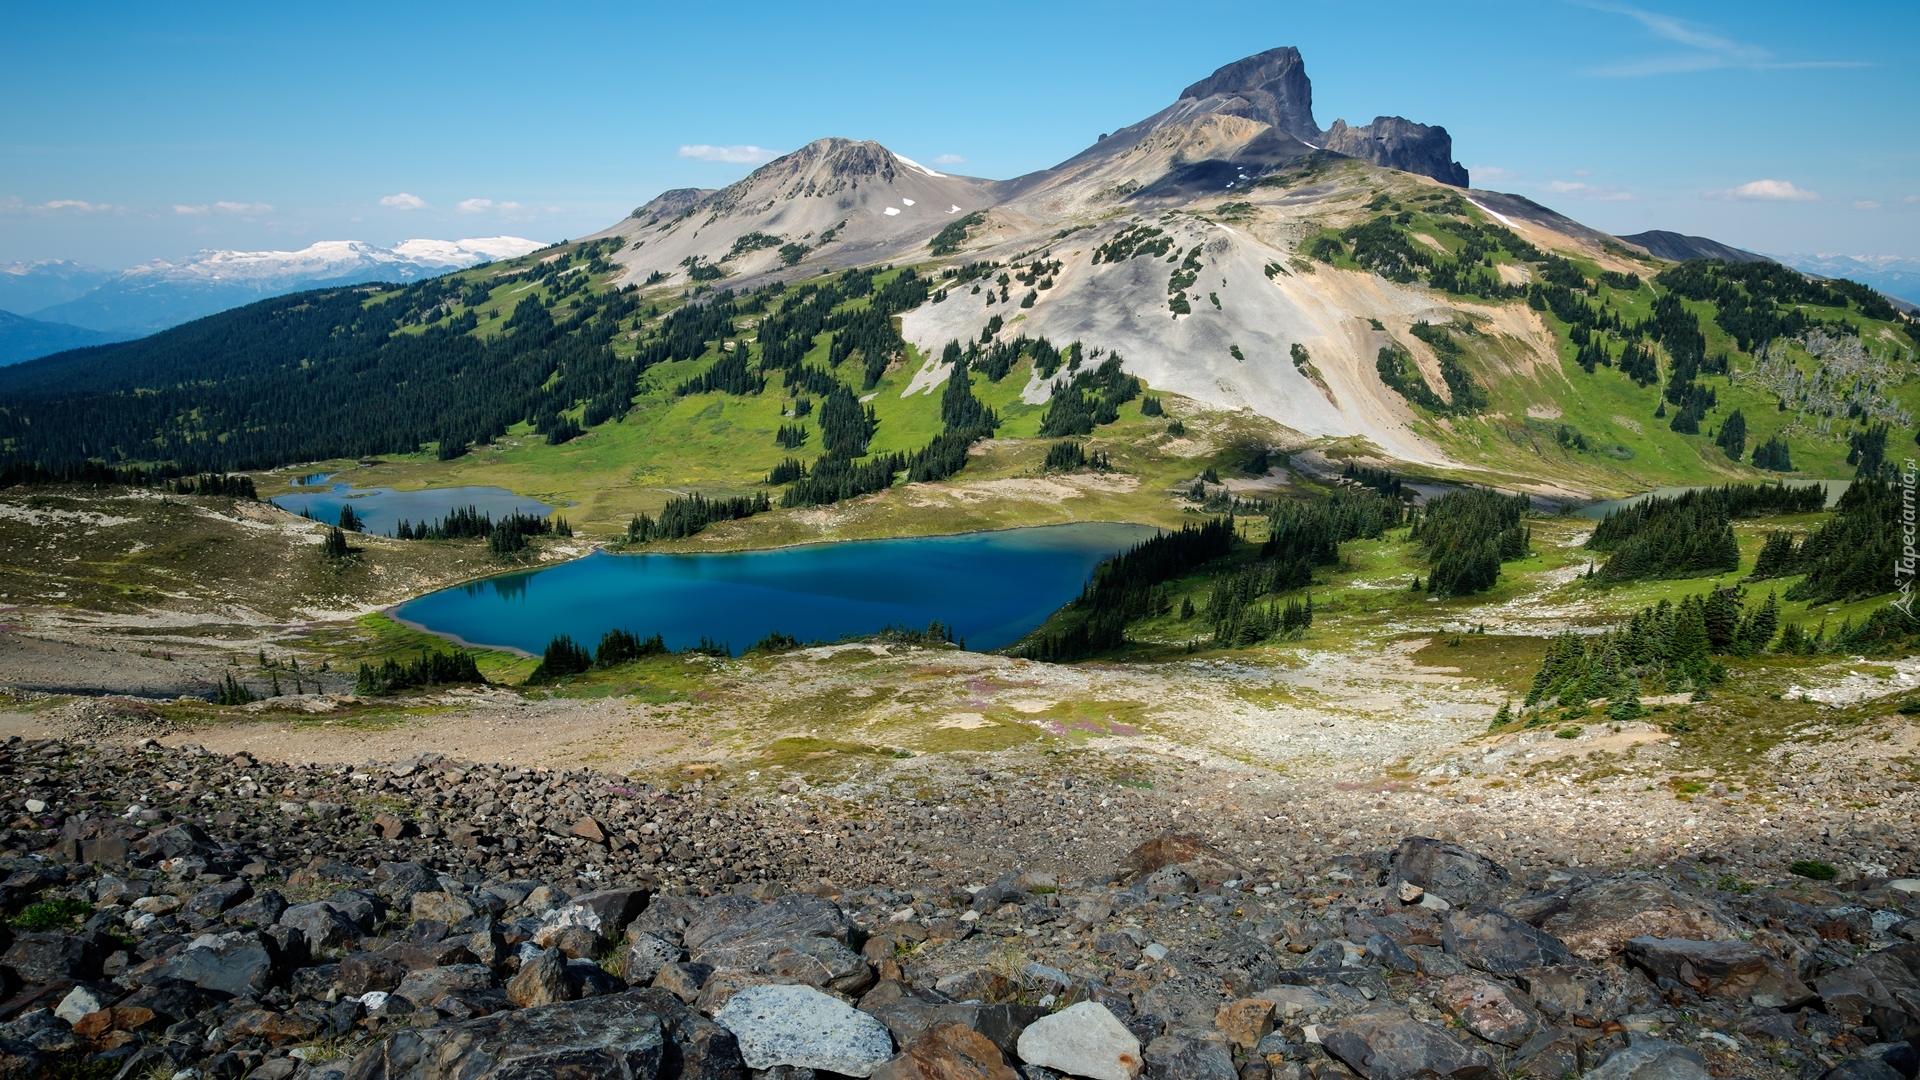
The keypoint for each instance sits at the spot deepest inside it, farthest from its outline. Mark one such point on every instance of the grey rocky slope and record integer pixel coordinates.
(181, 913)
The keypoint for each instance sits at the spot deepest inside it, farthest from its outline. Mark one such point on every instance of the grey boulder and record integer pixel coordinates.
(1082, 1040)
(735, 933)
(1648, 1058)
(1494, 941)
(1449, 871)
(802, 1027)
(1186, 1054)
(621, 1036)
(1387, 1044)
(1730, 969)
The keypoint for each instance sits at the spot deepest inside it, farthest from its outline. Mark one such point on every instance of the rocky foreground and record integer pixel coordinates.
(179, 914)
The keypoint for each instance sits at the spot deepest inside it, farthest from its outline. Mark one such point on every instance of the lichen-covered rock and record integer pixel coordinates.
(802, 1027)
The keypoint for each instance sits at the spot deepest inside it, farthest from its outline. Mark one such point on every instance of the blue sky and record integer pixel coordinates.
(136, 131)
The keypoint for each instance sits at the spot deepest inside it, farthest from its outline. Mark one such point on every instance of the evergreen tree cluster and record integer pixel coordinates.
(1070, 455)
(432, 669)
(1380, 480)
(1850, 556)
(1757, 302)
(1732, 436)
(469, 522)
(1690, 534)
(1239, 618)
(1668, 648)
(729, 375)
(1468, 396)
(1465, 535)
(685, 515)
(1126, 587)
(1134, 241)
(1304, 535)
(88, 473)
(563, 656)
(1773, 455)
(1090, 398)
(948, 240)
(223, 485)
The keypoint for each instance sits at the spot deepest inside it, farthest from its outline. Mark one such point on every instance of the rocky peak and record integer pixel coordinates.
(1271, 87)
(1399, 143)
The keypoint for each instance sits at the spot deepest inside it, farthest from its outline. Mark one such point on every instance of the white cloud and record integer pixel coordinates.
(482, 206)
(1596, 192)
(224, 207)
(1494, 172)
(78, 206)
(1865, 204)
(1699, 49)
(403, 201)
(731, 155)
(949, 159)
(1766, 191)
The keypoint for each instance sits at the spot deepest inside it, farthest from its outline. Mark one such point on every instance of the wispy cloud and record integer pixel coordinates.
(1698, 49)
(61, 206)
(1865, 204)
(404, 201)
(1494, 172)
(481, 206)
(1596, 192)
(224, 207)
(731, 155)
(949, 159)
(1765, 191)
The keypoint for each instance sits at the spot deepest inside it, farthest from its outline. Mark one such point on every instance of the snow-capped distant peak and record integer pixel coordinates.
(462, 252)
(331, 259)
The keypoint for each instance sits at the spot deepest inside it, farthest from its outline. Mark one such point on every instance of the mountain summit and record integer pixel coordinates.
(1272, 88)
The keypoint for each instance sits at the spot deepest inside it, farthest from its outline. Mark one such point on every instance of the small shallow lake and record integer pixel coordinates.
(1596, 511)
(992, 587)
(383, 508)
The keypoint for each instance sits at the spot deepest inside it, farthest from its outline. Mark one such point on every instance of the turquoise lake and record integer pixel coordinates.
(383, 508)
(992, 587)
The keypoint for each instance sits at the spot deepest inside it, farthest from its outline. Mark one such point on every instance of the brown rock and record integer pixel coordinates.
(541, 981)
(1601, 917)
(1245, 1022)
(588, 829)
(389, 827)
(683, 980)
(441, 907)
(1208, 864)
(577, 942)
(94, 1024)
(1730, 969)
(948, 1052)
(1487, 1010)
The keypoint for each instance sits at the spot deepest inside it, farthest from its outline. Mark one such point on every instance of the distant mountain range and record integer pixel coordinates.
(1894, 275)
(22, 338)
